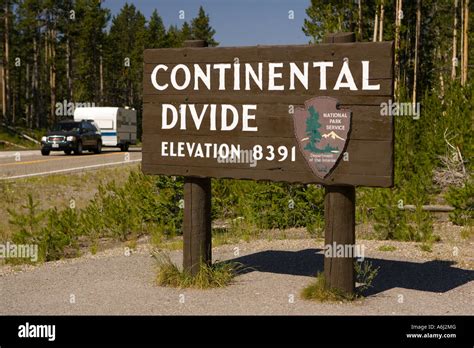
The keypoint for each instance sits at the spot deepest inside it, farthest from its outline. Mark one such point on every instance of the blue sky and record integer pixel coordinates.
(237, 22)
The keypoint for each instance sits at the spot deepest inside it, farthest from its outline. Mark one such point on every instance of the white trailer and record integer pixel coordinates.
(117, 125)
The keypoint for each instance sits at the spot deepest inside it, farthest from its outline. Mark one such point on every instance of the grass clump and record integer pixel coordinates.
(467, 232)
(427, 247)
(387, 248)
(365, 275)
(217, 275)
(319, 291)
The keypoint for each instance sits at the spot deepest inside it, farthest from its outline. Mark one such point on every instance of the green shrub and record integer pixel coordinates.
(168, 214)
(144, 204)
(316, 228)
(118, 211)
(59, 237)
(392, 222)
(268, 205)
(52, 230)
(28, 223)
(462, 199)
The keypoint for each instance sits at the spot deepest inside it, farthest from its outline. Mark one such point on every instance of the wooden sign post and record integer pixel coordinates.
(339, 218)
(197, 237)
(300, 114)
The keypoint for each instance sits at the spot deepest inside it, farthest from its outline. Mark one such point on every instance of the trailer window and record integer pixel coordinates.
(105, 124)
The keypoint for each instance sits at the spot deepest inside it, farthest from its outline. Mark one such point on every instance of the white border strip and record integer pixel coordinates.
(69, 170)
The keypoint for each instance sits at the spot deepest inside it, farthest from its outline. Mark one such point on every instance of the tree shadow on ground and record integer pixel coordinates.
(433, 276)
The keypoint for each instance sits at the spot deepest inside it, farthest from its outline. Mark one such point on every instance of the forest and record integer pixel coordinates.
(74, 51)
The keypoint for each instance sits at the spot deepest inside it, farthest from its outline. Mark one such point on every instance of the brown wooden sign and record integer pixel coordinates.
(232, 112)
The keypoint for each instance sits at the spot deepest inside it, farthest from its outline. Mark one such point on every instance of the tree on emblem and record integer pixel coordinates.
(312, 130)
(314, 136)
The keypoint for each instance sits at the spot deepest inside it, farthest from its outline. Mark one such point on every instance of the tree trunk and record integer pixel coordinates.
(462, 38)
(6, 63)
(52, 76)
(359, 21)
(465, 42)
(381, 22)
(417, 44)
(441, 77)
(28, 86)
(34, 81)
(68, 69)
(376, 23)
(397, 48)
(101, 77)
(455, 34)
(2, 71)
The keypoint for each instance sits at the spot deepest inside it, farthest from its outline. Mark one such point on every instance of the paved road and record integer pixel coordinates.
(21, 164)
(111, 282)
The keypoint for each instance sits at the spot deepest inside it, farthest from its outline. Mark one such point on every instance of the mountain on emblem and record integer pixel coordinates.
(321, 130)
(333, 135)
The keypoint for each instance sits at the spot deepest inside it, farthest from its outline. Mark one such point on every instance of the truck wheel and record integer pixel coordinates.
(78, 150)
(98, 148)
(45, 152)
(124, 147)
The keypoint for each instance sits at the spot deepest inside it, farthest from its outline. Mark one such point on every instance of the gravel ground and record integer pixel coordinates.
(410, 281)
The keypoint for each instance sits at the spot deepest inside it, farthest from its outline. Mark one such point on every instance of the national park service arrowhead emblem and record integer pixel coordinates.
(322, 130)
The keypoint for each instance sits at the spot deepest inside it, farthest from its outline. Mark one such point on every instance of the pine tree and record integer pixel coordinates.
(67, 31)
(126, 42)
(55, 12)
(324, 18)
(186, 33)
(92, 20)
(173, 37)
(156, 31)
(312, 129)
(201, 30)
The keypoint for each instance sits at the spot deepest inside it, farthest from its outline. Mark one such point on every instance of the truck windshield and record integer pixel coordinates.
(67, 127)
